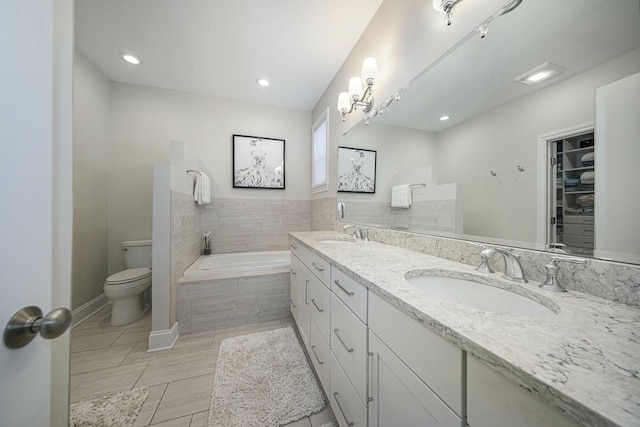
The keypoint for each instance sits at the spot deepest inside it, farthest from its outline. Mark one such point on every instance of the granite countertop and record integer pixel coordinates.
(585, 360)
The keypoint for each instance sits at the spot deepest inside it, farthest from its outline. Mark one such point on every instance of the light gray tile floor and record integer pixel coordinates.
(107, 360)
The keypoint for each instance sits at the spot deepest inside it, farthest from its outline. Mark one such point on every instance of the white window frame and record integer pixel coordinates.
(320, 186)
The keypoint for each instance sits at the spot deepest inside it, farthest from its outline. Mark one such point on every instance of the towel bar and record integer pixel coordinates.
(195, 171)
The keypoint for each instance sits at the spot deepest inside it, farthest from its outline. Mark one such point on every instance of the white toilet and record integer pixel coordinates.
(127, 290)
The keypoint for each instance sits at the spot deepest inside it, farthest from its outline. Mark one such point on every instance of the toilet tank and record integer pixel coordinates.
(137, 253)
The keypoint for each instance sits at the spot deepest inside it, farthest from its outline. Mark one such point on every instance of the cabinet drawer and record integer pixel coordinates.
(318, 266)
(579, 229)
(438, 363)
(578, 219)
(320, 356)
(295, 288)
(349, 345)
(352, 293)
(319, 298)
(345, 403)
(294, 247)
(578, 241)
(399, 398)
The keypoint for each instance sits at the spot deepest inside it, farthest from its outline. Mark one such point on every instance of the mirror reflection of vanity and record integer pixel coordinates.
(504, 143)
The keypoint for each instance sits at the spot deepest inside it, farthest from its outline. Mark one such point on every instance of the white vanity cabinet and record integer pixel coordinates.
(295, 288)
(493, 400)
(415, 376)
(300, 308)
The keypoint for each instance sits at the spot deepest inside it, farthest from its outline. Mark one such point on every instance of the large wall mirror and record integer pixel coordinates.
(552, 165)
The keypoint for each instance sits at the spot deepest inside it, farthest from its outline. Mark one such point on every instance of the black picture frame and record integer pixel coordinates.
(356, 170)
(258, 162)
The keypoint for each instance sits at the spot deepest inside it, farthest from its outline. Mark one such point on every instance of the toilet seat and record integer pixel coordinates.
(128, 276)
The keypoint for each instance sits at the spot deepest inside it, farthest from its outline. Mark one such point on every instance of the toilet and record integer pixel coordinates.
(128, 289)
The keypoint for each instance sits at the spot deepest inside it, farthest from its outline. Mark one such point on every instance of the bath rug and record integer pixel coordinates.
(261, 380)
(116, 410)
(329, 424)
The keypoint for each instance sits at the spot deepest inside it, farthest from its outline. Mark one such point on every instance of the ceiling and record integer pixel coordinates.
(221, 47)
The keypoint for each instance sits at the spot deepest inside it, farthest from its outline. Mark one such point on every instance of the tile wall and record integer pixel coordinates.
(323, 214)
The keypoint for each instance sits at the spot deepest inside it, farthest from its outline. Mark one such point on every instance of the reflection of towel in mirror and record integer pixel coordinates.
(589, 157)
(588, 177)
(202, 189)
(401, 196)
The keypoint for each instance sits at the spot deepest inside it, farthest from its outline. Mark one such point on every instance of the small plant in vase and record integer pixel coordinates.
(207, 243)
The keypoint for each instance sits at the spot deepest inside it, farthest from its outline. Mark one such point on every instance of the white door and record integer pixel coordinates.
(36, 62)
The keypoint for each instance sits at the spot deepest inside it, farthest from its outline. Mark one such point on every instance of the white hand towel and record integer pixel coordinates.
(401, 196)
(202, 189)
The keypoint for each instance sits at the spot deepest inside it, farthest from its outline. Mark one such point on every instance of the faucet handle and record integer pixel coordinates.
(484, 260)
(551, 283)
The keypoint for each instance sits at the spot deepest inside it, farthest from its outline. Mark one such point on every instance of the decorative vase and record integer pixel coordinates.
(206, 251)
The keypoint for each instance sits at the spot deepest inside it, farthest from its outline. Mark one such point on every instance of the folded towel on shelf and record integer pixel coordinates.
(401, 196)
(589, 157)
(572, 181)
(586, 187)
(588, 163)
(202, 189)
(588, 177)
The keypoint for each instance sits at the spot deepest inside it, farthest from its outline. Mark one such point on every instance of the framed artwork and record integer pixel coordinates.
(356, 170)
(258, 162)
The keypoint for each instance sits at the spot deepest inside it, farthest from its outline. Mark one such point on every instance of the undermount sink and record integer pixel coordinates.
(336, 241)
(480, 296)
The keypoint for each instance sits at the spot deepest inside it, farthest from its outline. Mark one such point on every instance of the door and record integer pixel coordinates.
(36, 53)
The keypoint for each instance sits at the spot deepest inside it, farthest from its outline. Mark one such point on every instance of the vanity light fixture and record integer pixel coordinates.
(540, 73)
(133, 60)
(444, 118)
(263, 82)
(356, 96)
(446, 7)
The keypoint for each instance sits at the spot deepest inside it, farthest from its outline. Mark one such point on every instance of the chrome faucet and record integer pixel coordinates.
(552, 284)
(512, 267)
(358, 233)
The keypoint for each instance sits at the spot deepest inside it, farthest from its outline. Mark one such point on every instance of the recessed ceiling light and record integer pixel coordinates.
(540, 73)
(263, 82)
(130, 58)
(443, 118)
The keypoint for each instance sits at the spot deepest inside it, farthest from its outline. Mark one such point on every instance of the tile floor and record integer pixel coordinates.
(107, 360)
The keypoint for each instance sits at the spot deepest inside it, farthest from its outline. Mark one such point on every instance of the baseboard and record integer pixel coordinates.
(81, 313)
(164, 339)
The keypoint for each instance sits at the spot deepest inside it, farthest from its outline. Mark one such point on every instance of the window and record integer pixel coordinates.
(320, 142)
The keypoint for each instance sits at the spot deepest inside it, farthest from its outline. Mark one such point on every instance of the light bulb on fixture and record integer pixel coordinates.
(446, 7)
(356, 95)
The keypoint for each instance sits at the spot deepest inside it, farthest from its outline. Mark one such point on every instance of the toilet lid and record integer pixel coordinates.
(128, 275)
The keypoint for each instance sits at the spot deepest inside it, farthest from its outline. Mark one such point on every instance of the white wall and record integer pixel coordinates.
(617, 232)
(91, 140)
(505, 206)
(405, 37)
(145, 120)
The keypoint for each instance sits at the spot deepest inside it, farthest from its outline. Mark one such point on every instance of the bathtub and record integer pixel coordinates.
(238, 263)
(228, 290)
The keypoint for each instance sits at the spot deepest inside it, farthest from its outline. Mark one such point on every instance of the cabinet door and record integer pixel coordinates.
(295, 288)
(493, 400)
(398, 396)
(304, 313)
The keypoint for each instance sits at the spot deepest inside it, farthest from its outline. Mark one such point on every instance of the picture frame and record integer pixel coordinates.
(258, 162)
(356, 170)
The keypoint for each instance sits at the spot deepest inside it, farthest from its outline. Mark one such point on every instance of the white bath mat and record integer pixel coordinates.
(116, 410)
(263, 379)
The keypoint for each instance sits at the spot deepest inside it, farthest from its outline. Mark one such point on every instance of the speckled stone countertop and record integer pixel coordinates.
(585, 360)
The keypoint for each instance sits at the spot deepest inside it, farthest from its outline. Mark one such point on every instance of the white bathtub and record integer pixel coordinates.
(240, 263)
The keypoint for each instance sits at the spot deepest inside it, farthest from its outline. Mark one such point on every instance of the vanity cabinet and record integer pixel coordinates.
(415, 374)
(300, 309)
(493, 400)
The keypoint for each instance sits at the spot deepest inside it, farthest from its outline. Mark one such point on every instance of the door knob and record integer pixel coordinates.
(28, 322)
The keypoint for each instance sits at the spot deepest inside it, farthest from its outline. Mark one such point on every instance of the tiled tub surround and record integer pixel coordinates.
(248, 225)
(232, 300)
(584, 360)
(614, 281)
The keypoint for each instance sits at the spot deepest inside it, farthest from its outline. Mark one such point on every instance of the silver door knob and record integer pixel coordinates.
(28, 322)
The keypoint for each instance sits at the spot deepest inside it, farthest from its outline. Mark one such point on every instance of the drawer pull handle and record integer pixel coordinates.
(313, 300)
(294, 306)
(316, 266)
(335, 396)
(349, 350)
(337, 282)
(313, 348)
(293, 246)
(293, 272)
